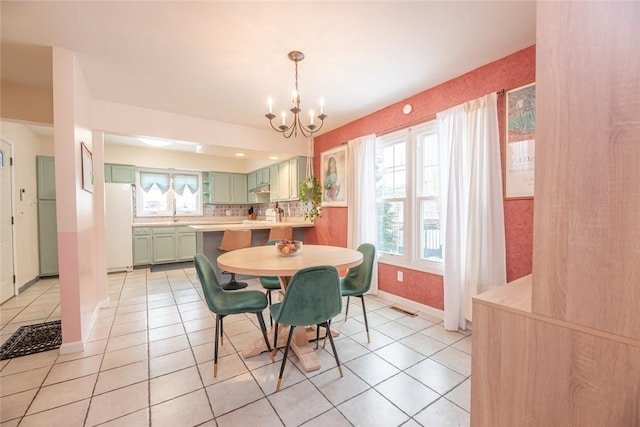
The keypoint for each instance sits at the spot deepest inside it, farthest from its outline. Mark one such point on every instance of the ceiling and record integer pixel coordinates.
(220, 61)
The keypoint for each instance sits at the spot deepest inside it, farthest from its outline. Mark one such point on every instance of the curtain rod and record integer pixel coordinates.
(406, 125)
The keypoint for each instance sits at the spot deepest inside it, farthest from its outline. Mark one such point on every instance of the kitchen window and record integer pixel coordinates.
(163, 193)
(407, 198)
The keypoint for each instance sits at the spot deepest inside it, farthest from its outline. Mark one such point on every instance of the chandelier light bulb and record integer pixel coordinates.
(270, 103)
(284, 117)
(311, 116)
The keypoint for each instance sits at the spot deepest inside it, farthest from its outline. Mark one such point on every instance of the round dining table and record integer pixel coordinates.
(265, 261)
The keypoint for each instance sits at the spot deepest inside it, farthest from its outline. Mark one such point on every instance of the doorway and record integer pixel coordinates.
(7, 287)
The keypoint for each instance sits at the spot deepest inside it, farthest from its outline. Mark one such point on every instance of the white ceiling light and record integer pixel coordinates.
(155, 142)
(240, 154)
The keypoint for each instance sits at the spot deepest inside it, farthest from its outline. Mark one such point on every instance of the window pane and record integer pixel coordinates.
(391, 227)
(391, 170)
(430, 237)
(154, 199)
(428, 160)
(187, 202)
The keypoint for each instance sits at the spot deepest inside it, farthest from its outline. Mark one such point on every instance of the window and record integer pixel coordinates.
(407, 198)
(161, 193)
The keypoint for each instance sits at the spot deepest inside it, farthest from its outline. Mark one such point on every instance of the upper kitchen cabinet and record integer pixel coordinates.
(258, 178)
(125, 174)
(289, 175)
(273, 182)
(228, 188)
(206, 187)
(46, 173)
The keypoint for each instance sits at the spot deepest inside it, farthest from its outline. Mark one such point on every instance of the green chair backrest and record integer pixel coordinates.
(213, 292)
(272, 242)
(312, 297)
(359, 277)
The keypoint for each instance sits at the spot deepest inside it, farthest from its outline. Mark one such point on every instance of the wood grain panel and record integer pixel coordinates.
(527, 371)
(586, 233)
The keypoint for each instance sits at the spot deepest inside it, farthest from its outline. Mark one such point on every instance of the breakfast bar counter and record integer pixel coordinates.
(209, 236)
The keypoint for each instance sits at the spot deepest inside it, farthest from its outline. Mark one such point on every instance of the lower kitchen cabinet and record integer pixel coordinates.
(186, 243)
(164, 245)
(160, 245)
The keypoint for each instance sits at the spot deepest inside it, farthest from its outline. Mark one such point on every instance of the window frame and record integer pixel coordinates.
(412, 201)
(171, 195)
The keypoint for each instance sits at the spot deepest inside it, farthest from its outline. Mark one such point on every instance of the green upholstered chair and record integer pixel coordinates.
(223, 303)
(270, 283)
(312, 298)
(358, 280)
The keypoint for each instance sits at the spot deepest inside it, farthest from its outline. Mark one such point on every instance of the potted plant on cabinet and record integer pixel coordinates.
(310, 195)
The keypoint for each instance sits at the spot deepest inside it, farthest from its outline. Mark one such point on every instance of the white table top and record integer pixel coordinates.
(265, 261)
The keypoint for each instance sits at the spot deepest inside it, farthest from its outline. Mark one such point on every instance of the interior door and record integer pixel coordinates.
(6, 229)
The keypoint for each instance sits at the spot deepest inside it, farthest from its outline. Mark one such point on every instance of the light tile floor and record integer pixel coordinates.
(149, 362)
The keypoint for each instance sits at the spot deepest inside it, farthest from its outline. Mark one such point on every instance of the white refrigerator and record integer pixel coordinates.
(119, 219)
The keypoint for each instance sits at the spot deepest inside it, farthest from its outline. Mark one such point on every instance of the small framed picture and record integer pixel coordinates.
(87, 169)
(333, 177)
(520, 142)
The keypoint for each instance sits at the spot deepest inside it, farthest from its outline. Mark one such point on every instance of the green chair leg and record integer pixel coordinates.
(284, 359)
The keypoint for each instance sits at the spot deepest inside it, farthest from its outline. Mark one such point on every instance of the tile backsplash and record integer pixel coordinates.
(290, 209)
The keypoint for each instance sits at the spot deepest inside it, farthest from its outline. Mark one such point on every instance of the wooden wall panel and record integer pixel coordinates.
(528, 371)
(586, 228)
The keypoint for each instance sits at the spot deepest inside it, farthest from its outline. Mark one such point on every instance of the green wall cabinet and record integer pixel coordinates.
(288, 176)
(46, 174)
(47, 238)
(47, 225)
(229, 188)
(125, 174)
(273, 182)
(206, 187)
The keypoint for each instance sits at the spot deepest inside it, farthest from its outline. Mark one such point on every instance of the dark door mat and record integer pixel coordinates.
(171, 266)
(32, 339)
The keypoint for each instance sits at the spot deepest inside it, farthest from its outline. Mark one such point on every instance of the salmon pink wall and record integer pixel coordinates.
(512, 71)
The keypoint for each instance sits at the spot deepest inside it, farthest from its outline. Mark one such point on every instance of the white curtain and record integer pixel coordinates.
(472, 216)
(361, 197)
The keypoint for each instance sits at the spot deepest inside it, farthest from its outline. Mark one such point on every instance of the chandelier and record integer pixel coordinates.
(296, 125)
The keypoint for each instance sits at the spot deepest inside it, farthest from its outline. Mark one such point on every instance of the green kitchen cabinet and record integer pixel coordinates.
(220, 186)
(47, 238)
(46, 178)
(262, 176)
(186, 243)
(229, 188)
(164, 244)
(239, 188)
(252, 181)
(125, 174)
(206, 187)
(142, 246)
(46, 207)
(273, 182)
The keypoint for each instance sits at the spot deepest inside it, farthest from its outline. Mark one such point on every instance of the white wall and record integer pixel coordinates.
(77, 245)
(26, 146)
(154, 157)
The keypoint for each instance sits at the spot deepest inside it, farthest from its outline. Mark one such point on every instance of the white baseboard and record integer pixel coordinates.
(78, 346)
(407, 303)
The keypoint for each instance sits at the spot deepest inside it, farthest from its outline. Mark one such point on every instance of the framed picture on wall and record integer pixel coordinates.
(333, 176)
(520, 142)
(87, 169)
